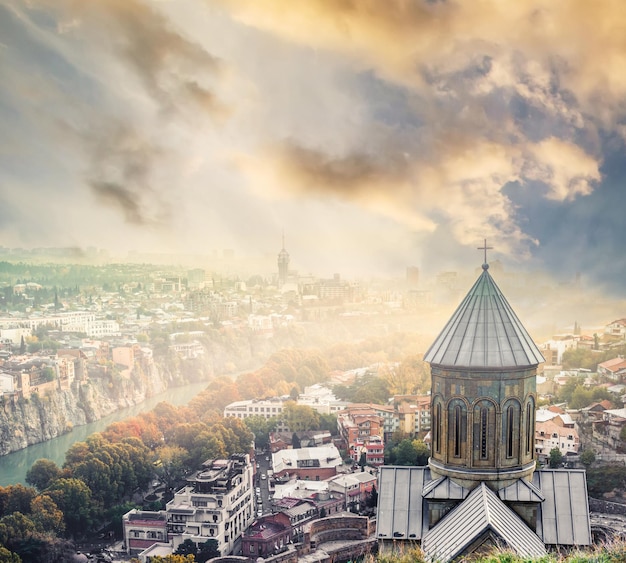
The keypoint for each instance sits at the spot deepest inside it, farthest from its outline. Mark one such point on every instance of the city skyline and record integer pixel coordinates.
(374, 135)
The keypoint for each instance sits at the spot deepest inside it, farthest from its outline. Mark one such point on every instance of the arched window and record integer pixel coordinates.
(437, 428)
(510, 419)
(483, 433)
(530, 425)
(457, 431)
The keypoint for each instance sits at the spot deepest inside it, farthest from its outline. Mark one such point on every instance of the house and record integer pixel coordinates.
(356, 487)
(608, 430)
(267, 536)
(362, 432)
(614, 369)
(283, 440)
(550, 434)
(142, 529)
(616, 328)
(315, 464)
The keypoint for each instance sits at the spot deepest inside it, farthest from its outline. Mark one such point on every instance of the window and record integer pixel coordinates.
(510, 413)
(529, 427)
(457, 431)
(437, 427)
(483, 433)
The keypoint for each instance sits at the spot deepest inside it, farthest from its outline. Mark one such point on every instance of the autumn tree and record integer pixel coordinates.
(408, 377)
(16, 498)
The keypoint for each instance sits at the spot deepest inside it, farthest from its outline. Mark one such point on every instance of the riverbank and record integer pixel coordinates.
(13, 466)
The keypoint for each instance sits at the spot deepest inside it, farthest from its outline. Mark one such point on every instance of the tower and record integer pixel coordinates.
(483, 372)
(283, 264)
(481, 487)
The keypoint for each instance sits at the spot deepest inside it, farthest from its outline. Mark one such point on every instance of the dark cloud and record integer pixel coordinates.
(349, 175)
(122, 170)
(121, 197)
(164, 60)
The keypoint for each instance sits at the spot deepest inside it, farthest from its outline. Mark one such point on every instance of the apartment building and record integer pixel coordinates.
(217, 503)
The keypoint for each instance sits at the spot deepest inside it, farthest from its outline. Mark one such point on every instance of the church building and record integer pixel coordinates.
(481, 488)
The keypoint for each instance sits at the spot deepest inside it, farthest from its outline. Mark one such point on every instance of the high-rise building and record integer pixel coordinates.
(283, 265)
(481, 488)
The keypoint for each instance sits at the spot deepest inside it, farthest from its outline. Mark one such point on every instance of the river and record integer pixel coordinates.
(13, 467)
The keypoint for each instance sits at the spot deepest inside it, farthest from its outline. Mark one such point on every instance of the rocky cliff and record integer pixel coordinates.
(28, 421)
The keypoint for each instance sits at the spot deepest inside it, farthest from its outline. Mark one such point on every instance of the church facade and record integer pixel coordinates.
(481, 488)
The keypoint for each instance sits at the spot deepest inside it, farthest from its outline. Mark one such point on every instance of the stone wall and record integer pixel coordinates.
(606, 507)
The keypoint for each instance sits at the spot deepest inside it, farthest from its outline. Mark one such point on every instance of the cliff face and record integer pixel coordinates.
(24, 422)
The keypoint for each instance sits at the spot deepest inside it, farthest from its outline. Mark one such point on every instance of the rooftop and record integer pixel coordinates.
(484, 332)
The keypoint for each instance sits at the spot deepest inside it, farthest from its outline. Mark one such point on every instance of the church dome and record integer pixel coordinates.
(484, 333)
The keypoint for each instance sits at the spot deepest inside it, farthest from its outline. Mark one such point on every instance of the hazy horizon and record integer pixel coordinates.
(373, 135)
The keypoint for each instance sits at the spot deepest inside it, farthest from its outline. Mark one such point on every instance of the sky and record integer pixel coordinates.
(373, 134)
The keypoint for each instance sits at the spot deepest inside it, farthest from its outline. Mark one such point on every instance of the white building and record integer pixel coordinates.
(266, 408)
(550, 435)
(218, 503)
(7, 383)
(321, 399)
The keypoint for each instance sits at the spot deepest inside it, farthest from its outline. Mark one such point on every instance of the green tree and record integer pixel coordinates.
(170, 466)
(73, 497)
(42, 473)
(22, 346)
(404, 453)
(587, 458)
(7, 556)
(556, 458)
(15, 527)
(300, 418)
(422, 452)
(261, 428)
(188, 547)
(174, 558)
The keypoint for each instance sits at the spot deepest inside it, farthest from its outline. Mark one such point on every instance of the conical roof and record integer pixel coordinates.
(484, 332)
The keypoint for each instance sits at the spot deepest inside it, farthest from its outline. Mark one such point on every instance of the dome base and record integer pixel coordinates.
(470, 478)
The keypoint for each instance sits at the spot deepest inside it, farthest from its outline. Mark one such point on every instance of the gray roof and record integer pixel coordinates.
(480, 513)
(521, 491)
(564, 514)
(444, 488)
(484, 332)
(400, 502)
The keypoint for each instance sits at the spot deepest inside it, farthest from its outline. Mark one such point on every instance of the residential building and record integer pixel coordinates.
(216, 503)
(356, 488)
(614, 369)
(608, 430)
(315, 464)
(616, 328)
(143, 529)
(267, 536)
(362, 432)
(550, 434)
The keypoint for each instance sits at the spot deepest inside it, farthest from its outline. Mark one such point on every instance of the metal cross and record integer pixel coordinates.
(485, 248)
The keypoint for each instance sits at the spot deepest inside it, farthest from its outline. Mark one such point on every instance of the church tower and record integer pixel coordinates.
(283, 265)
(483, 372)
(481, 488)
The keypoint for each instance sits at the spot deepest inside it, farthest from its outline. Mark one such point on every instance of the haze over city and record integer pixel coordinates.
(375, 135)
